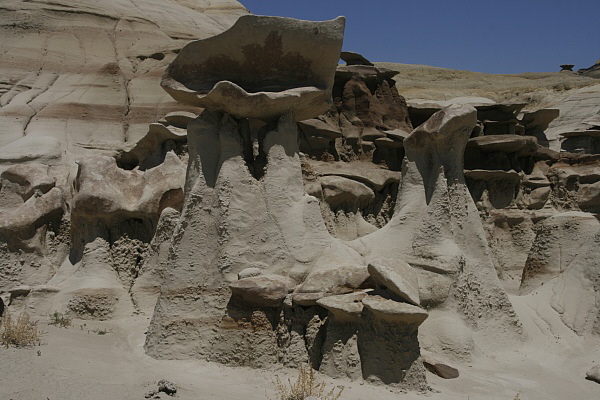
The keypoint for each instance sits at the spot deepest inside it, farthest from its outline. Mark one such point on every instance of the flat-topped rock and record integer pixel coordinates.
(368, 173)
(307, 299)
(261, 67)
(394, 311)
(504, 143)
(492, 175)
(316, 127)
(344, 307)
(398, 277)
(262, 290)
(180, 119)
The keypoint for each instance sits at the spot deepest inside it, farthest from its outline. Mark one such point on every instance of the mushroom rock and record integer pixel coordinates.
(262, 67)
(344, 307)
(437, 230)
(566, 67)
(394, 311)
(245, 204)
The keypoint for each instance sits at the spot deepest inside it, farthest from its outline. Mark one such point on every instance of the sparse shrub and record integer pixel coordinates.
(19, 332)
(307, 384)
(59, 319)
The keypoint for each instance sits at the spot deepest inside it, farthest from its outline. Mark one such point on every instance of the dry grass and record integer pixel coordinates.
(307, 384)
(20, 332)
(537, 89)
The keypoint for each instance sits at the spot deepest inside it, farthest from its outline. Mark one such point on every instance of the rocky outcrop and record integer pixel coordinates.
(434, 216)
(366, 105)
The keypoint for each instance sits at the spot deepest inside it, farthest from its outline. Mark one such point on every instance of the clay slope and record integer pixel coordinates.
(87, 73)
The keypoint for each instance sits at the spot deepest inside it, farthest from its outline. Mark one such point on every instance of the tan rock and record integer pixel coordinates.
(398, 277)
(344, 307)
(393, 311)
(262, 67)
(263, 290)
(340, 192)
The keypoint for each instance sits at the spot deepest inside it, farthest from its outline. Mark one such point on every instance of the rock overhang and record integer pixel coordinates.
(262, 67)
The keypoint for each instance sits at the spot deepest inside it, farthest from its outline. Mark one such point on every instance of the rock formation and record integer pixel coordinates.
(281, 208)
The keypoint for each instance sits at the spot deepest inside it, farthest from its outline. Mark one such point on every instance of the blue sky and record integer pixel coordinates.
(504, 36)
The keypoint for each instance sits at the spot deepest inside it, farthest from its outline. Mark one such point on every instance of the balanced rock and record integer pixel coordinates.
(394, 311)
(344, 307)
(504, 143)
(262, 67)
(262, 290)
(398, 277)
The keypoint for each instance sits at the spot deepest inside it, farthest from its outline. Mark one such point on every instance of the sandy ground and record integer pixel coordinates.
(79, 363)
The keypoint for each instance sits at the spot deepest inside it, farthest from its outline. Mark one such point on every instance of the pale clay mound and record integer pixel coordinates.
(385, 241)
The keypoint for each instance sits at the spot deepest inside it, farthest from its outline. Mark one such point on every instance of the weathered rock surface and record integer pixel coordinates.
(393, 311)
(263, 290)
(272, 66)
(344, 307)
(398, 277)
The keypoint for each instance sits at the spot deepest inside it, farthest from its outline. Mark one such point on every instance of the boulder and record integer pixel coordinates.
(394, 311)
(371, 175)
(344, 307)
(340, 192)
(440, 369)
(398, 277)
(524, 145)
(261, 67)
(264, 290)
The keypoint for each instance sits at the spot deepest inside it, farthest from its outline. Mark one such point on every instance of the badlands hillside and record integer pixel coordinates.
(193, 193)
